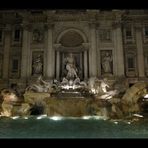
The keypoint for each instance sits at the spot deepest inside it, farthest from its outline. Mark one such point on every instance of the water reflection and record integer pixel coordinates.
(76, 127)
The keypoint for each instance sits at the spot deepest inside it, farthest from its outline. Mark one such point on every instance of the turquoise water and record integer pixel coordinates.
(35, 127)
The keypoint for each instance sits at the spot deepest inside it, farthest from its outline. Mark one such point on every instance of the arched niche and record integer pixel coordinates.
(72, 41)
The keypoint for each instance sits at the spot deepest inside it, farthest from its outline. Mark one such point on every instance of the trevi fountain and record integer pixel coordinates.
(73, 73)
(74, 99)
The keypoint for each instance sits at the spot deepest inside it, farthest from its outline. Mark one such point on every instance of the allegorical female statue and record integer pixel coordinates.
(106, 63)
(37, 65)
(37, 36)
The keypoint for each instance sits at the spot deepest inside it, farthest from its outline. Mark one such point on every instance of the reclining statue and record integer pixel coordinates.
(40, 86)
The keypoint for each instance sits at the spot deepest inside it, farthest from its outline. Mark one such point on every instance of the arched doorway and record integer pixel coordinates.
(72, 42)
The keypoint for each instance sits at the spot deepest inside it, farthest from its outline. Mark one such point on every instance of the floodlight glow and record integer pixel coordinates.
(41, 117)
(15, 117)
(56, 118)
(146, 96)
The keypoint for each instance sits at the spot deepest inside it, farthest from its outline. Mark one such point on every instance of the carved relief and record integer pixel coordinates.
(105, 35)
(37, 35)
(37, 63)
(106, 62)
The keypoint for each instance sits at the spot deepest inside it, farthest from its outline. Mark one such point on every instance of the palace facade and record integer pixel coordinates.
(104, 43)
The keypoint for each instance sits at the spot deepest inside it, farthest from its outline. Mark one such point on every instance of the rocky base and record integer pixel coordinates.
(119, 106)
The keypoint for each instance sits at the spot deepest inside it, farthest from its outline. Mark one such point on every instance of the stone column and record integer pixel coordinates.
(57, 65)
(140, 55)
(98, 52)
(6, 57)
(118, 64)
(92, 51)
(85, 65)
(25, 53)
(86, 46)
(50, 55)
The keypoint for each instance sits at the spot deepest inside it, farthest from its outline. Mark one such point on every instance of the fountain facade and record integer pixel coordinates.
(54, 57)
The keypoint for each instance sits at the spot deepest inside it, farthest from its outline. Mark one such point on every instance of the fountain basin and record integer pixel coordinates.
(67, 107)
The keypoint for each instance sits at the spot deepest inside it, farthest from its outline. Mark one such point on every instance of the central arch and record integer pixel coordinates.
(72, 41)
(72, 30)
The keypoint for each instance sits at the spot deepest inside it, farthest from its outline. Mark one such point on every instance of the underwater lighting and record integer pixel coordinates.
(56, 118)
(100, 117)
(15, 117)
(116, 122)
(41, 117)
(25, 117)
(86, 117)
(94, 117)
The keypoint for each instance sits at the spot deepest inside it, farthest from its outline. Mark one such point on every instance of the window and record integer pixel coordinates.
(146, 31)
(131, 62)
(128, 33)
(15, 65)
(131, 70)
(17, 35)
(146, 63)
(1, 33)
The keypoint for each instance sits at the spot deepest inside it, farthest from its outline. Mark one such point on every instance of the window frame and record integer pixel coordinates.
(129, 39)
(145, 37)
(131, 72)
(16, 73)
(13, 35)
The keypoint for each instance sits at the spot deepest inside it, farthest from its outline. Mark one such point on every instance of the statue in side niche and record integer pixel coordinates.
(37, 65)
(106, 63)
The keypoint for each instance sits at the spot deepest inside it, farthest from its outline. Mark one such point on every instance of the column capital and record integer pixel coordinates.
(138, 26)
(27, 26)
(116, 24)
(94, 24)
(86, 45)
(49, 26)
(56, 46)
